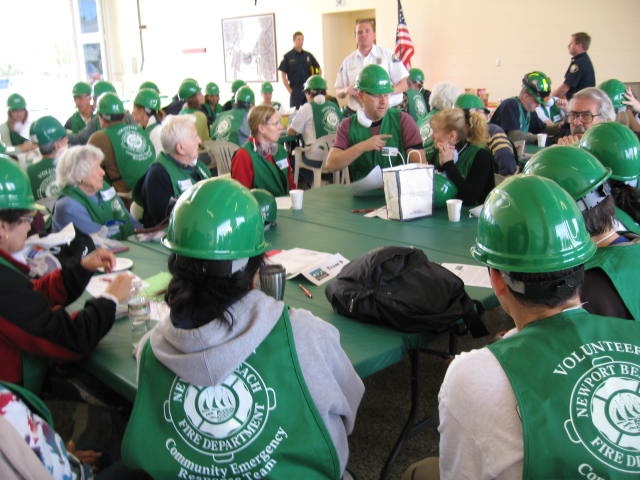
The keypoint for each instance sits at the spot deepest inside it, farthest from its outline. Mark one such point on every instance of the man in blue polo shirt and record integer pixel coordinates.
(580, 73)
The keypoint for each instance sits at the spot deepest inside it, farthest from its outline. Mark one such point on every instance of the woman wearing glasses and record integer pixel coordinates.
(262, 162)
(35, 325)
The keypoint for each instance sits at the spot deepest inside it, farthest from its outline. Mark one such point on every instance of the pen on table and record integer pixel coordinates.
(363, 210)
(306, 292)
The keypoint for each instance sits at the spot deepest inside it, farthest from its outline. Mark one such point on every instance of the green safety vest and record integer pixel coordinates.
(620, 263)
(553, 113)
(580, 403)
(42, 176)
(465, 158)
(210, 112)
(76, 122)
(182, 177)
(366, 162)
(326, 118)
(424, 126)
(108, 208)
(629, 223)
(133, 150)
(416, 105)
(260, 422)
(227, 125)
(273, 178)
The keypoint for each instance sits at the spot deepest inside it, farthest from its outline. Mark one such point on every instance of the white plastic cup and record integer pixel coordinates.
(454, 207)
(296, 199)
(542, 140)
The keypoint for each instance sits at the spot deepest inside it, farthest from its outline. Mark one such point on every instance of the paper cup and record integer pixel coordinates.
(296, 199)
(542, 140)
(454, 207)
(520, 146)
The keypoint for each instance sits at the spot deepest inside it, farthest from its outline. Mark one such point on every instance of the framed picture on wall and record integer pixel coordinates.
(250, 48)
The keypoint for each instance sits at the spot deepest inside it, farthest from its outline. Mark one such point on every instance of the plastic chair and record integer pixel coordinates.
(221, 153)
(318, 151)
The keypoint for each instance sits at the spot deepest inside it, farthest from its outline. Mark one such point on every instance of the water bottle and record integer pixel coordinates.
(139, 313)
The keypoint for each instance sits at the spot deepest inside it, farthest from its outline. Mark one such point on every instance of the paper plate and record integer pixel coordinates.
(121, 264)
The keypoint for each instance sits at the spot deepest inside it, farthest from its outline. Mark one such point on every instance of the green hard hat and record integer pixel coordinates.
(416, 75)
(81, 88)
(188, 88)
(538, 84)
(615, 90)
(212, 89)
(237, 84)
(216, 219)
(245, 95)
(467, 101)
(443, 189)
(374, 79)
(47, 129)
(102, 86)
(616, 146)
(148, 98)
(266, 87)
(315, 82)
(530, 224)
(267, 203)
(150, 85)
(110, 104)
(16, 102)
(575, 170)
(15, 187)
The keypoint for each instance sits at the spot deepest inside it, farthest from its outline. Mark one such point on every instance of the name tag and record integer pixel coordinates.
(282, 164)
(184, 184)
(389, 151)
(108, 194)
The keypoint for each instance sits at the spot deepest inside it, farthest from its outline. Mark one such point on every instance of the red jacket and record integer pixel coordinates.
(33, 318)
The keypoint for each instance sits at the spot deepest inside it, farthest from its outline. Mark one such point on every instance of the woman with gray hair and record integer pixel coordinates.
(443, 96)
(85, 199)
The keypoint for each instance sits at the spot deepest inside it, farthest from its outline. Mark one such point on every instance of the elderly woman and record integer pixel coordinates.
(243, 372)
(32, 312)
(443, 96)
(262, 162)
(85, 200)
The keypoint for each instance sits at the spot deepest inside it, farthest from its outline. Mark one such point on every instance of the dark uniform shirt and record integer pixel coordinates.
(580, 74)
(298, 66)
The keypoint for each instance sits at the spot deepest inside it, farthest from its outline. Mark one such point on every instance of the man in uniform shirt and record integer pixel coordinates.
(369, 53)
(580, 73)
(296, 66)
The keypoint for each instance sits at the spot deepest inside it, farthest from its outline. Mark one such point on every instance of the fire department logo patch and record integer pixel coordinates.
(605, 414)
(223, 419)
(574, 68)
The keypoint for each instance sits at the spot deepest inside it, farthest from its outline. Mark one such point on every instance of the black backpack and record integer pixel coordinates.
(400, 288)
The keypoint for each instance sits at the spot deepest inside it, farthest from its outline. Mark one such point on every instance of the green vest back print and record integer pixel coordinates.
(133, 150)
(326, 118)
(580, 405)
(259, 423)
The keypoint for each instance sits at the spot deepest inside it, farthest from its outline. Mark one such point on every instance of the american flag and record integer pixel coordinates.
(404, 45)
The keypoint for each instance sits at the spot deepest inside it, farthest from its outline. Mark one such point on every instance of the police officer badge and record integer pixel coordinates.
(605, 414)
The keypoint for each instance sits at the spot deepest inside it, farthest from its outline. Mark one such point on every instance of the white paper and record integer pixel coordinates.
(63, 237)
(379, 212)
(99, 283)
(317, 267)
(369, 185)
(475, 211)
(471, 275)
(283, 203)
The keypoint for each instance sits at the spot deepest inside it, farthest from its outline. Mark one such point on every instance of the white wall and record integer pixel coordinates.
(456, 40)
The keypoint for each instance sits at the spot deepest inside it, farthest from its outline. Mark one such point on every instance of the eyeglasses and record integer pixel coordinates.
(584, 117)
(274, 123)
(26, 219)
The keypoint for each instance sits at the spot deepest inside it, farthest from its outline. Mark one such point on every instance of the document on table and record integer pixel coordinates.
(471, 275)
(317, 267)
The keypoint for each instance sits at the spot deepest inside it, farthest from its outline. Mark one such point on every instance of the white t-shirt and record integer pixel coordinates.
(303, 123)
(355, 61)
(480, 428)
